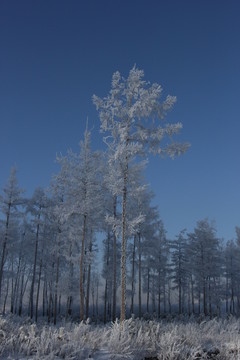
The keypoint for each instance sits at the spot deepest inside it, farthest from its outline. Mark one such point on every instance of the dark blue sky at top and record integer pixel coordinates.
(54, 55)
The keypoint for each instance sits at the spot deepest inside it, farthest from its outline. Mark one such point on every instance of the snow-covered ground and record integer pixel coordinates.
(133, 340)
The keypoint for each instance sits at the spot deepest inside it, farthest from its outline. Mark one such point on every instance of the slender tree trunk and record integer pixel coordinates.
(204, 298)
(153, 296)
(109, 307)
(148, 288)
(114, 262)
(12, 288)
(88, 290)
(23, 289)
(192, 290)
(123, 255)
(16, 286)
(139, 277)
(105, 301)
(56, 291)
(169, 298)
(159, 295)
(107, 277)
(44, 296)
(227, 295)
(97, 298)
(88, 279)
(93, 301)
(38, 290)
(5, 298)
(50, 296)
(199, 301)
(164, 296)
(4, 246)
(209, 298)
(81, 268)
(179, 296)
(133, 274)
(59, 304)
(35, 264)
(57, 277)
(50, 301)
(21, 296)
(232, 304)
(70, 296)
(189, 299)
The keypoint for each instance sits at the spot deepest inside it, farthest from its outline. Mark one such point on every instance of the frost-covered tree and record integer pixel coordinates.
(36, 207)
(83, 198)
(232, 276)
(204, 251)
(160, 264)
(179, 267)
(128, 117)
(9, 202)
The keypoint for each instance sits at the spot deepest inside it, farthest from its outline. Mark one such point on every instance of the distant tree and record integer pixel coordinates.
(9, 202)
(123, 115)
(160, 264)
(204, 248)
(36, 207)
(232, 275)
(179, 267)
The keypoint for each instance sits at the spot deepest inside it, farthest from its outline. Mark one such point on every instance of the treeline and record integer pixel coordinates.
(51, 252)
(52, 261)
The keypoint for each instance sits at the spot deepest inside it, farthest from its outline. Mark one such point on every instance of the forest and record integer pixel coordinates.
(93, 240)
(92, 246)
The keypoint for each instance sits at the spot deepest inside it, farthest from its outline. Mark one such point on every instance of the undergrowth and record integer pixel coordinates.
(133, 339)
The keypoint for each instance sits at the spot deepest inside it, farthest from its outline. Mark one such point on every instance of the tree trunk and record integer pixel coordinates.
(123, 255)
(57, 277)
(21, 296)
(105, 302)
(133, 274)
(88, 279)
(139, 277)
(114, 262)
(4, 247)
(5, 298)
(148, 288)
(12, 289)
(179, 296)
(192, 290)
(56, 291)
(227, 295)
(81, 268)
(159, 297)
(44, 297)
(34, 265)
(70, 296)
(153, 296)
(38, 290)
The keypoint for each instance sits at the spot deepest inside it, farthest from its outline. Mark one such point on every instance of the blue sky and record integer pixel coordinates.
(54, 55)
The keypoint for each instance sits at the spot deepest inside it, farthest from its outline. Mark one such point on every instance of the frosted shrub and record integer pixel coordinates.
(132, 340)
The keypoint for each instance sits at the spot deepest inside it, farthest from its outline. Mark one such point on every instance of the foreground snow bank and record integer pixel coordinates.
(134, 339)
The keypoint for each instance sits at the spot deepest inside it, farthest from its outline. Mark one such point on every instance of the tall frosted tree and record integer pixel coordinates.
(83, 199)
(128, 116)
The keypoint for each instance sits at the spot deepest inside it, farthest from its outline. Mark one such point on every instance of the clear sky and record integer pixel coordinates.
(55, 54)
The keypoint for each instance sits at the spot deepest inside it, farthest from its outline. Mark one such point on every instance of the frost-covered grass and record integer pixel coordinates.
(134, 339)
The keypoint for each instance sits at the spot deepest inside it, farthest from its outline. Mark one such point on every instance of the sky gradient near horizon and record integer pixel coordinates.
(54, 55)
